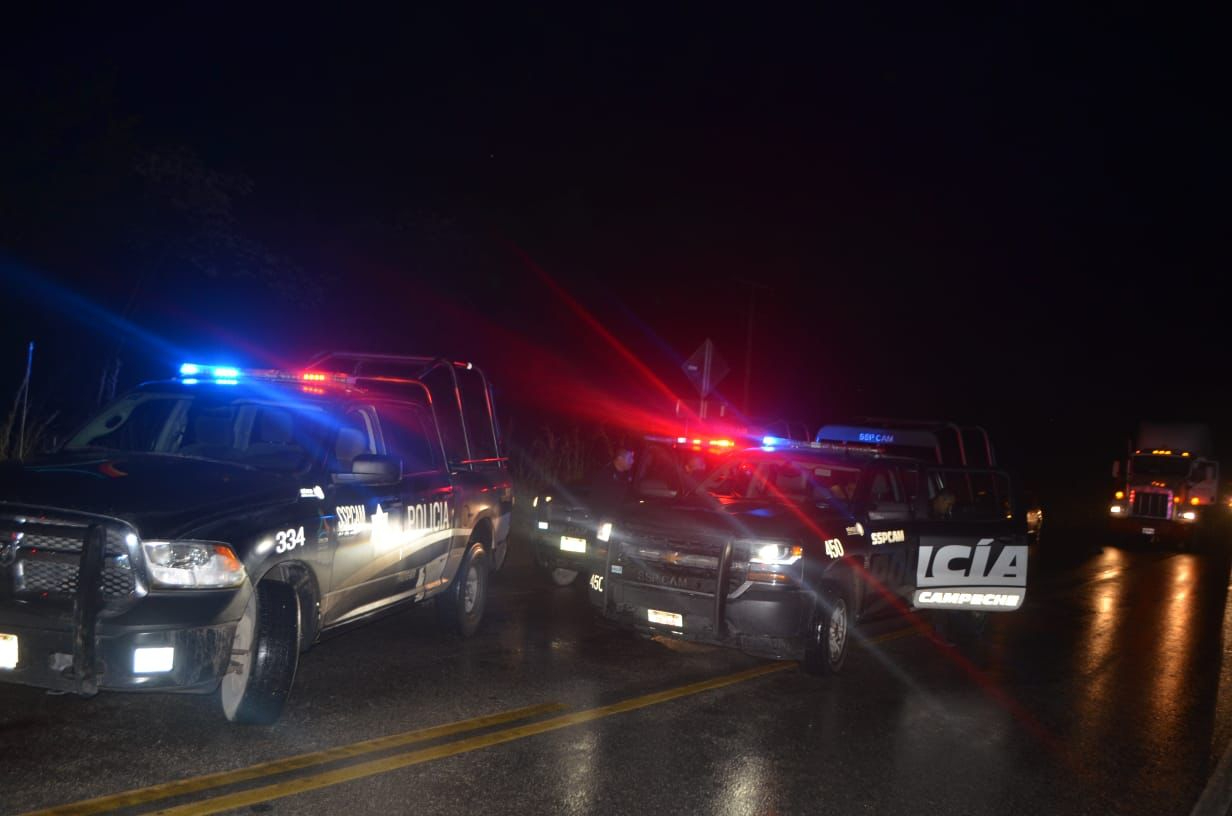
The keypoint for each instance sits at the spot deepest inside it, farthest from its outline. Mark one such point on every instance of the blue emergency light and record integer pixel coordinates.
(226, 375)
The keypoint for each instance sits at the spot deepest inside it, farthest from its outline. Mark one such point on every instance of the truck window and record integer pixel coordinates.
(475, 412)
(909, 482)
(134, 424)
(656, 469)
(882, 487)
(280, 439)
(354, 437)
(445, 402)
(407, 437)
(829, 482)
(978, 496)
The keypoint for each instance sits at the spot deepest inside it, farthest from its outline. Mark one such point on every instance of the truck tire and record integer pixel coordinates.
(264, 656)
(500, 551)
(460, 607)
(829, 632)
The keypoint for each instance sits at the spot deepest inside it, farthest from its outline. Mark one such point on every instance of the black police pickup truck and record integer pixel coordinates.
(570, 537)
(783, 549)
(199, 533)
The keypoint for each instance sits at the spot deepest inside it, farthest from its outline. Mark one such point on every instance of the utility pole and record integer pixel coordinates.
(748, 340)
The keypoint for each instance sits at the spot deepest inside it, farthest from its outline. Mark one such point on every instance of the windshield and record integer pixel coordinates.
(1162, 466)
(265, 434)
(784, 479)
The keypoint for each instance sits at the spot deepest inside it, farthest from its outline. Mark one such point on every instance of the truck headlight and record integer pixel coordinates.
(783, 553)
(604, 533)
(193, 564)
(1115, 509)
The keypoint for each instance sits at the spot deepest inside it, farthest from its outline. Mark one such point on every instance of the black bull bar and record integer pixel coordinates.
(81, 676)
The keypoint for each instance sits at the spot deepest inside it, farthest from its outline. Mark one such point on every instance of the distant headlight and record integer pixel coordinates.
(192, 564)
(1116, 509)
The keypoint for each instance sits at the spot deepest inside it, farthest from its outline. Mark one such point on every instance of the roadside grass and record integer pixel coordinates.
(38, 433)
(553, 456)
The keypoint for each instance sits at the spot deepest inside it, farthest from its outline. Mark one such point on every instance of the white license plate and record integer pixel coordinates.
(1148, 531)
(665, 618)
(8, 651)
(571, 544)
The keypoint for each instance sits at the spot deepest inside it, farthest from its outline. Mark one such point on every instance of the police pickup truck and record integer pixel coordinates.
(781, 550)
(199, 533)
(570, 539)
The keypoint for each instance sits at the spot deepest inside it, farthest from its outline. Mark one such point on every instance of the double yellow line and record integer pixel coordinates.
(323, 779)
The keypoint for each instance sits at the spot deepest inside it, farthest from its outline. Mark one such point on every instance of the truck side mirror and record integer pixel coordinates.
(1116, 469)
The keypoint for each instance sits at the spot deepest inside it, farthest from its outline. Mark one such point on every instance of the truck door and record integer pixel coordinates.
(972, 551)
(891, 536)
(359, 509)
(418, 545)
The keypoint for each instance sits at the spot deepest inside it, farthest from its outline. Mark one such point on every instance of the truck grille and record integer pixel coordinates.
(679, 564)
(58, 578)
(43, 558)
(1152, 505)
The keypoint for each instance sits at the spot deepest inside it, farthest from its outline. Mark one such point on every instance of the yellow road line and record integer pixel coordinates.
(196, 784)
(379, 766)
(897, 634)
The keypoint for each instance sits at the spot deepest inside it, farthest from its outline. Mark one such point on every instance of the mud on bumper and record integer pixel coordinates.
(765, 621)
(549, 555)
(189, 638)
(45, 659)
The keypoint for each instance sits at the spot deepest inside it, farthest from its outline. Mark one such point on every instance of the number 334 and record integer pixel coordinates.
(288, 540)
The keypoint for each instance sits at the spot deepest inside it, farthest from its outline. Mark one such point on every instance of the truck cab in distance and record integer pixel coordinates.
(1168, 485)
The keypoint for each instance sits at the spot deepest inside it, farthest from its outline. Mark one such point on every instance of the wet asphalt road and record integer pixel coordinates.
(1109, 692)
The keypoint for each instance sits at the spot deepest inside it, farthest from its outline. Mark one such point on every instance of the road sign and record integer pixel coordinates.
(705, 368)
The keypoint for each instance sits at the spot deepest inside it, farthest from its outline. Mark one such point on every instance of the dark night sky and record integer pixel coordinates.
(1005, 216)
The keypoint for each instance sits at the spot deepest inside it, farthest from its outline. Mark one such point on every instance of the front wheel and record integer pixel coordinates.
(829, 633)
(460, 607)
(264, 656)
(500, 551)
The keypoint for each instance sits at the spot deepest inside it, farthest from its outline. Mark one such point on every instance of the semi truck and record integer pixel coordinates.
(1168, 483)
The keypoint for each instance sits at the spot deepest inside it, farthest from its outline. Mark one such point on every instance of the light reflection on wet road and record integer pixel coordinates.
(1108, 692)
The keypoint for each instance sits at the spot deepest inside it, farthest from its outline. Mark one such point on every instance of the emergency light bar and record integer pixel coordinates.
(193, 373)
(213, 372)
(772, 442)
(698, 444)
